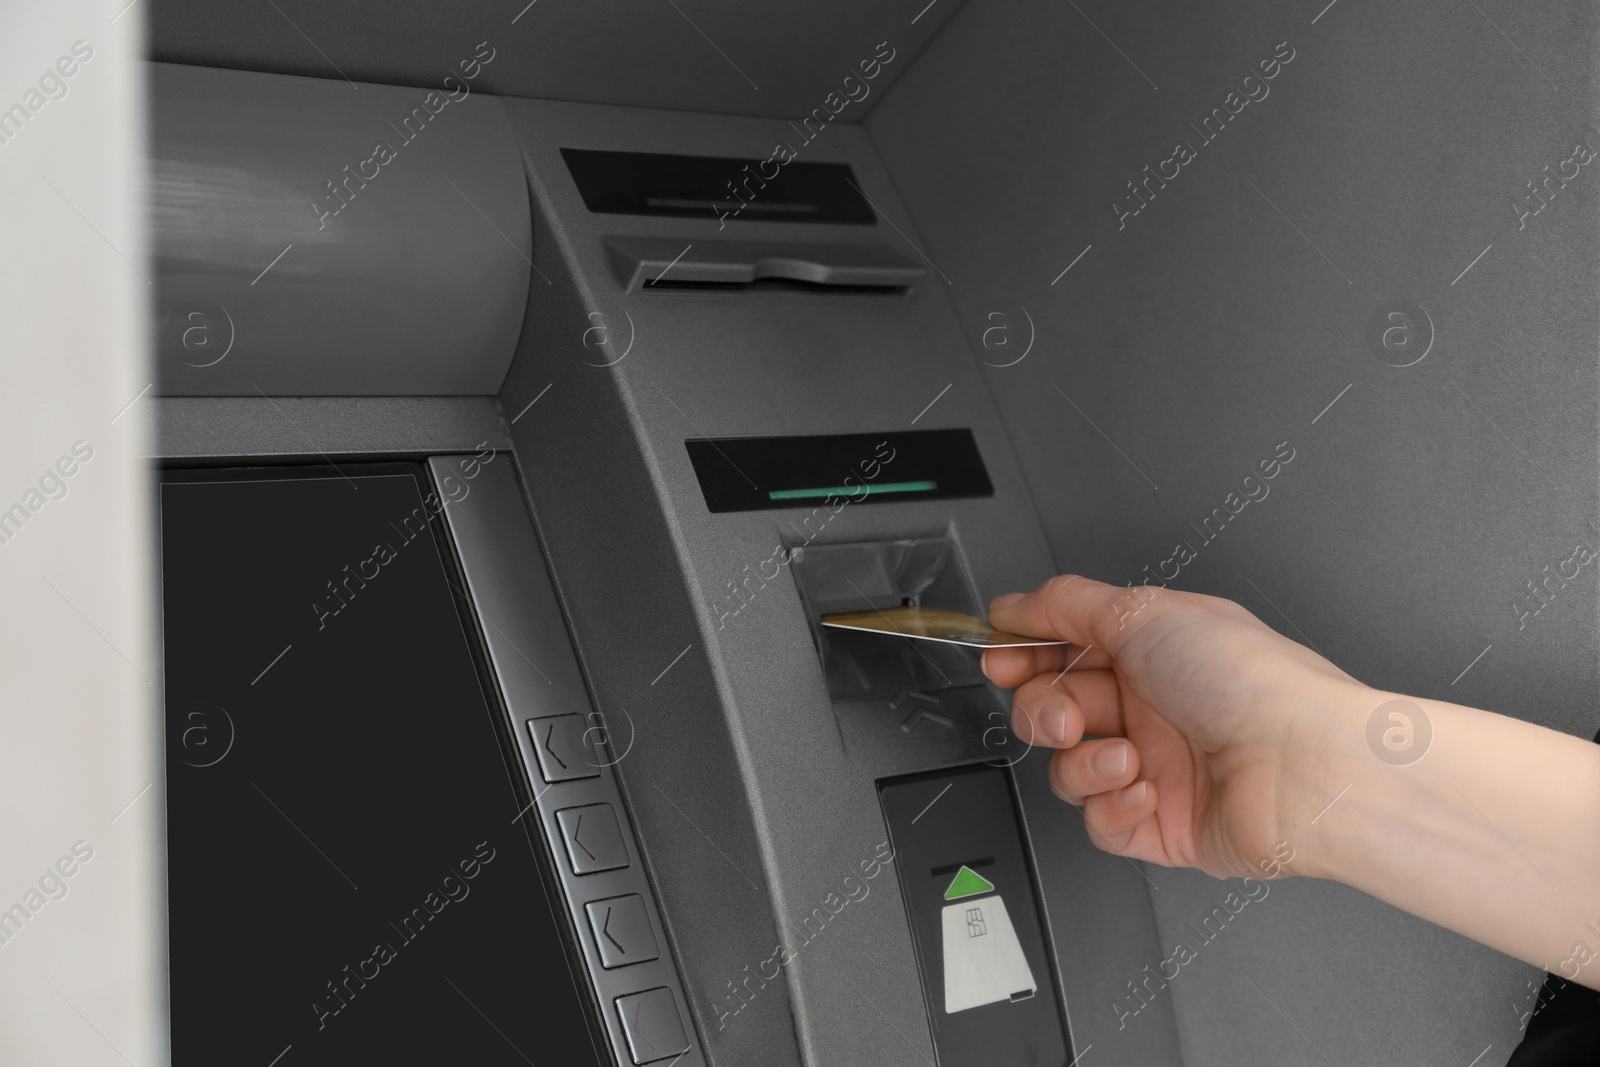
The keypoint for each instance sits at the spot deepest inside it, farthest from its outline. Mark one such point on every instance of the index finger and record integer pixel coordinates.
(1080, 610)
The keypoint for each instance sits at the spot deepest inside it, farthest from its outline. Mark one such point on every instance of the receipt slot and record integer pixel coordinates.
(980, 941)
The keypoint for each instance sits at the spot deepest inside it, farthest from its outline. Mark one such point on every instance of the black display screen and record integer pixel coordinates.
(715, 187)
(757, 473)
(348, 878)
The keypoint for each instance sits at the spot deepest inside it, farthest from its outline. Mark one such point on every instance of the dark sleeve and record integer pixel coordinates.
(1565, 1028)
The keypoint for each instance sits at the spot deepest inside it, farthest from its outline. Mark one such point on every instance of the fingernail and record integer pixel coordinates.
(1053, 726)
(1005, 600)
(1133, 796)
(1110, 761)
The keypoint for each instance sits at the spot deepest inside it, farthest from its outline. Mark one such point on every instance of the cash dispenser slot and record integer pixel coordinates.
(655, 264)
(968, 886)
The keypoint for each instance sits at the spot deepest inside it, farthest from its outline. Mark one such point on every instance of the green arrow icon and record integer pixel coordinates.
(967, 883)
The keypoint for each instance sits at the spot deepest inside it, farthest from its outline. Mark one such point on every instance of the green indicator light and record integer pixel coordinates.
(967, 883)
(846, 491)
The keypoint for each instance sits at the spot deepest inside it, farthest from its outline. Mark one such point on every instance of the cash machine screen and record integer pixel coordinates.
(349, 879)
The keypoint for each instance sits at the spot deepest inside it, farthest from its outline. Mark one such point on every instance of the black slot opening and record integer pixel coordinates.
(757, 473)
(654, 183)
(793, 285)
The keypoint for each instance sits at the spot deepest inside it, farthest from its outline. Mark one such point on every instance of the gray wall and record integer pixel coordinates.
(756, 57)
(81, 760)
(1222, 319)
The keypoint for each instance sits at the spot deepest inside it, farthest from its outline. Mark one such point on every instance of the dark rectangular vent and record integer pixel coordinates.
(758, 473)
(652, 183)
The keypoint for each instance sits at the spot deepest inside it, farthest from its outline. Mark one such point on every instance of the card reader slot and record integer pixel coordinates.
(954, 868)
(860, 576)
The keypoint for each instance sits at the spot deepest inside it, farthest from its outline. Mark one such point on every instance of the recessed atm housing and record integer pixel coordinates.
(709, 426)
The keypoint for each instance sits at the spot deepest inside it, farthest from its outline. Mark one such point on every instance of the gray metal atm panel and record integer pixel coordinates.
(761, 57)
(314, 239)
(754, 795)
(257, 427)
(1389, 161)
(540, 683)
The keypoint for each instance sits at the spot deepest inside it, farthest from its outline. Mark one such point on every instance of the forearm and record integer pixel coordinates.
(1494, 832)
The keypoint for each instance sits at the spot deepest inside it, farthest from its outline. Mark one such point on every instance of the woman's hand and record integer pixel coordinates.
(1207, 723)
(1217, 739)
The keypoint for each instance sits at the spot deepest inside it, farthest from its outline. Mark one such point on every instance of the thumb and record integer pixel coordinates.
(1072, 608)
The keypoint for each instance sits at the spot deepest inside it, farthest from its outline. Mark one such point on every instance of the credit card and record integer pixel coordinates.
(929, 624)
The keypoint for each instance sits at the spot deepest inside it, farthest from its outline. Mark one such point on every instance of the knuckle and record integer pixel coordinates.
(1061, 585)
(1062, 791)
(1058, 599)
(1094, 820)
(1022, 720)
(1110, 620)
(1229, 608)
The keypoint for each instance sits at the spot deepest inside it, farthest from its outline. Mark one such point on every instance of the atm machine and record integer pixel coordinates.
(510, 446)
(527, 672)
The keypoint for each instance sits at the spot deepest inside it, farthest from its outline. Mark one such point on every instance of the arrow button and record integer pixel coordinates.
(558, 743)
(653, 1025)
(622, 931)
(593, 838)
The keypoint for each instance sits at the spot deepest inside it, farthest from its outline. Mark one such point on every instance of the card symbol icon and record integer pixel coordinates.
(983, 958)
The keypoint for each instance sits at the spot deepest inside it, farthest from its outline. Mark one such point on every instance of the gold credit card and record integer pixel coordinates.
(929, 624)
